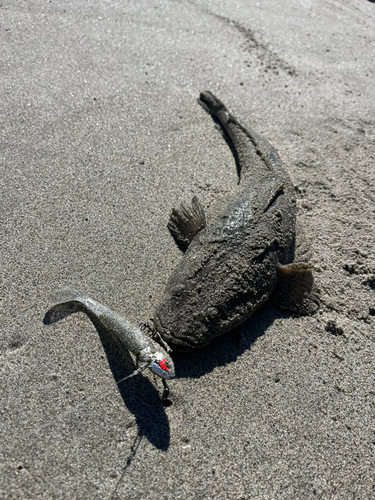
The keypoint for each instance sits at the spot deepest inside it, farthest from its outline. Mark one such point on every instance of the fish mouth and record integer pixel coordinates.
(188, 344)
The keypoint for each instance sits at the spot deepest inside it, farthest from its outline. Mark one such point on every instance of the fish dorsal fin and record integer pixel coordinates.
(186, 221)
(295, 288)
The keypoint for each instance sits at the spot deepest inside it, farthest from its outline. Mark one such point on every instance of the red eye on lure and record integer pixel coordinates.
(163, 365)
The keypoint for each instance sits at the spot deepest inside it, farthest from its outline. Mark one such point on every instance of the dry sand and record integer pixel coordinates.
(100, 136)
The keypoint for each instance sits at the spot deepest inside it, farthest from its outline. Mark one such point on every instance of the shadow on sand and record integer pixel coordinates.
(140, 396)
(227, 348)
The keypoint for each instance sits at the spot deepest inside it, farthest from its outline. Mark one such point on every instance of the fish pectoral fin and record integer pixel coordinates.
(186, 221)
(295, 289)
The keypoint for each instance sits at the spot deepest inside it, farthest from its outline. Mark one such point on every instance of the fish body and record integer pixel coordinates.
(250, 253)
(232, 266)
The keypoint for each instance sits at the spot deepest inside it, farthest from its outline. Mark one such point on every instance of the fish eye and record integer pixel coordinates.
(161, 367)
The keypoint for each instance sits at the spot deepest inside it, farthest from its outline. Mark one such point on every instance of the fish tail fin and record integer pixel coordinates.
(211, 103)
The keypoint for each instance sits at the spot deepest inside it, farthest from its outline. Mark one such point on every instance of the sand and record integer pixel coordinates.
(101, 136)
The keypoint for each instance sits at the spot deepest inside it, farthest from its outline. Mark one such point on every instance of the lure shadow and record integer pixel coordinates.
(139, 395)
(227, 348)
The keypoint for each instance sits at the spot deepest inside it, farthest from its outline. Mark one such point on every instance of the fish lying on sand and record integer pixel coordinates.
(249, 254)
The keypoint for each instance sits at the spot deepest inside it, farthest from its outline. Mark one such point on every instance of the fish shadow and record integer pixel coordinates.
(139, 395)
(226, 137)
(227, 348)
(231, 147)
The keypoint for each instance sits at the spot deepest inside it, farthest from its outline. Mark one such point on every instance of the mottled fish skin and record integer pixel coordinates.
(230, 267)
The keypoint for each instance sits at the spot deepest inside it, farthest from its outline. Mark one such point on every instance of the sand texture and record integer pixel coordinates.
(101, 136)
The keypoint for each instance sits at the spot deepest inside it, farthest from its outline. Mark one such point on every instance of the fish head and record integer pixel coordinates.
(158, 360)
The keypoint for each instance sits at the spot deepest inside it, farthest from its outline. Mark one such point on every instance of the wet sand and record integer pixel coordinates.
(101, 136)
